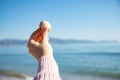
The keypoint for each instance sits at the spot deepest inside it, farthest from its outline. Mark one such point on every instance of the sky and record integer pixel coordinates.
(70, 19)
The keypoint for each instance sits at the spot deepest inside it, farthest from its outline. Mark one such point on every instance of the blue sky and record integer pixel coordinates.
(70, 19)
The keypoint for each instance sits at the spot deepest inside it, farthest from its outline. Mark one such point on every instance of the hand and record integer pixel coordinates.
(40, 46)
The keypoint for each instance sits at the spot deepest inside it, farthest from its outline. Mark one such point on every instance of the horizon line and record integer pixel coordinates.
(64, 39)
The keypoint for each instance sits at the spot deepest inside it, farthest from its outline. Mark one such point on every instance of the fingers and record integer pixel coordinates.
(38, 37)
(34, 43)
(32, 38)
(34, 34)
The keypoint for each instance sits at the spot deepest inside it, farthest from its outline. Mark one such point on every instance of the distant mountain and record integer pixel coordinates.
(61, 41)
(9, 42)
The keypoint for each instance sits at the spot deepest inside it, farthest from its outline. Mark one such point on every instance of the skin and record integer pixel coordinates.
(38, 44)
(39, 35)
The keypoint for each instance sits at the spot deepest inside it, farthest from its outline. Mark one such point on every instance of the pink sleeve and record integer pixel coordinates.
(47, 69)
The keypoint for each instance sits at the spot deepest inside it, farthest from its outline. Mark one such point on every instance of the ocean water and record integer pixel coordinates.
(83, 61)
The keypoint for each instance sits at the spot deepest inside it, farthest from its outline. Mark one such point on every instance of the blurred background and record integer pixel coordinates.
(85, 37)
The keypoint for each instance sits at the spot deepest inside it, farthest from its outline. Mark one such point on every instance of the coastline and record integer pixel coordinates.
(64, 77)
(7, 75)
(16, 76)
(86, 77)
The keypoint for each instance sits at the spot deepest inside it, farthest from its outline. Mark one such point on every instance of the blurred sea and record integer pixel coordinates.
(83, 61)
